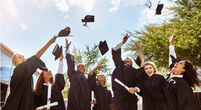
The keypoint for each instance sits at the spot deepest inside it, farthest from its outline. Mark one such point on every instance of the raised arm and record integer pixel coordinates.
(171, 49)
(43, 49)
(140, 54)
(116, 52)
(70, 60)
(59, 79)
(92, 76)
(95, 69)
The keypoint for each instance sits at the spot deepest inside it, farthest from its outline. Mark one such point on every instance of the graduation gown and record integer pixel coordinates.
(180, 95)
(79, 93)
(56, 94)
(102, 94)
(123, 100)
(152, 90)
(21, 86)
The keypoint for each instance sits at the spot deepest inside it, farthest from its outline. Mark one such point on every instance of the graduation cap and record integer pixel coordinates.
(148, 4)
(103, 47)
(159, 9)
(57, 52)
(138, 61)
(88, 18)
(42, 65)
(64, 32)
(174, 60)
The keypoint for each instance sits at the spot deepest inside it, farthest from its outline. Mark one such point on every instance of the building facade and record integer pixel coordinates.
(6, 70)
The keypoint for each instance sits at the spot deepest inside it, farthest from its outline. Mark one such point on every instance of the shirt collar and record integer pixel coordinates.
(177, 76)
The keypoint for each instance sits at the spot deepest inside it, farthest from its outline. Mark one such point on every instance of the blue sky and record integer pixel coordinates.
(27, 25)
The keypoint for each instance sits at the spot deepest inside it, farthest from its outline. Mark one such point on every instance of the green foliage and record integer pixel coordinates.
(90, 58)
(186, 25)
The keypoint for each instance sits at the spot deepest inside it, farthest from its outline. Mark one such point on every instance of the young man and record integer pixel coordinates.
(79, 93)
(125, 99)
(21, 85)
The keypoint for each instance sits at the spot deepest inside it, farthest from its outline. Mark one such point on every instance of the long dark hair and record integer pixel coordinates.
(190, 75)
(40, 83)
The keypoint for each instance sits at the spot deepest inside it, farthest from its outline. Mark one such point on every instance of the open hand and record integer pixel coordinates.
(125, 39)
(99, 65)
(172, 39)
(137, 46)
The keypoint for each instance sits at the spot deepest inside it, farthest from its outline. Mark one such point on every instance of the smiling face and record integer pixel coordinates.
(178, 68)
(101, 78)
(81, 68)
(128, 61)
(149, 69)
(18, 59)
(47, 75)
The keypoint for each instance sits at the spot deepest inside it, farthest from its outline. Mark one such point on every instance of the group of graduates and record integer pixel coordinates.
(158, 93)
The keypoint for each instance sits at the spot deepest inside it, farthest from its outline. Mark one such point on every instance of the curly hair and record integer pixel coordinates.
(190, 75)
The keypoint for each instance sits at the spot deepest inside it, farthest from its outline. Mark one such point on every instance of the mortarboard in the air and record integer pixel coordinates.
(103, 47)
(64, 32)
(174, 60)
(159, 9)
(88, 18)
(57, 51)
(138, 61)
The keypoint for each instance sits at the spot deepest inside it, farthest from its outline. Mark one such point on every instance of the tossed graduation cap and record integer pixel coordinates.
(138, 61)
(159, 8)
(103, 47)
(88, 18)
(148, 4)
(57, 52)
(64, 32)
(174, 60)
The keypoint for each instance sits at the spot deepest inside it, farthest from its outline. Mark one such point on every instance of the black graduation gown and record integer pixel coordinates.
(180, 95)
(21, 86)
(123, 100)
(102, 94)
(56, 94)
(152, 90)
(79, 93)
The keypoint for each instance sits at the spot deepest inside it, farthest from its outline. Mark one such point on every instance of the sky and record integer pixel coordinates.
(27, 25)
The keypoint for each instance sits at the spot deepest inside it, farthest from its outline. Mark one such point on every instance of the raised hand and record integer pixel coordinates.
(61, 57)
(52, 40)
(137, 46)
(125, 39)
(171, 39)
(99, 65)
(67, 44)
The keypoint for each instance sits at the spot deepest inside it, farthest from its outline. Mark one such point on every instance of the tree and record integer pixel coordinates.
(186, 24)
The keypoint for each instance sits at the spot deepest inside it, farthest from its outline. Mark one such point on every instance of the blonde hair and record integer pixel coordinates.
(14, 58)
(152, 64)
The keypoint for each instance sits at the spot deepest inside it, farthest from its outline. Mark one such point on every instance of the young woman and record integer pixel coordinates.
(179, 88)
(21, 95)
(40, 93)
(152, 89)
(102, 94)
(180, 93)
